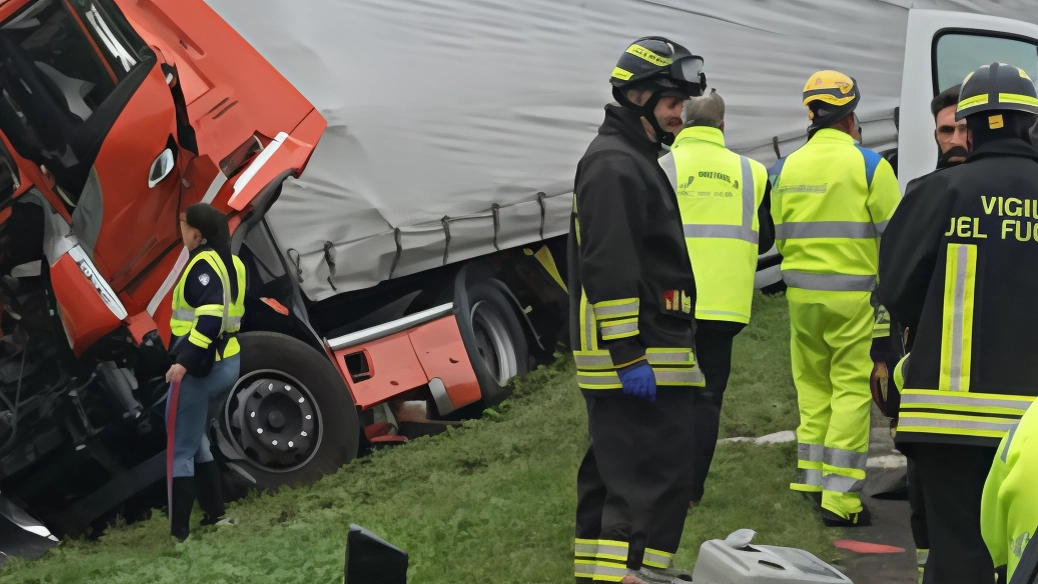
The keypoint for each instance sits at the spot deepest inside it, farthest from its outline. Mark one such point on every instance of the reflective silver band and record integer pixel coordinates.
(828, 282)
(826, 229)
(841, 484)
(846, 458)
(809, 476)
(810, 452)
(613, 330)
(948, 398)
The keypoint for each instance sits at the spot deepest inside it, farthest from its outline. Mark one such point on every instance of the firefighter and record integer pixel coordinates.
(724, 200)
(956, 267)
(208, 305)
(1009, 508)
(632, 294)
(831, 202)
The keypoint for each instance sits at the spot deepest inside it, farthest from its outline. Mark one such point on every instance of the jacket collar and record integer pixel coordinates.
(701, 134)
(1006, 147)
(831, 135)
(627, 124)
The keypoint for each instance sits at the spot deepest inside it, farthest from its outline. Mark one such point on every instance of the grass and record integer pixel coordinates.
(491, 501)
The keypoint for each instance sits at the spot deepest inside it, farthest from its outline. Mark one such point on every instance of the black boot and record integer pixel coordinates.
(210, 492)
(180, 507)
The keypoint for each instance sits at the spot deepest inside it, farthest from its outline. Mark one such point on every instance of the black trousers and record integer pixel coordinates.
(952, 480)
(915, 501)
(635, 482)
(714, 354)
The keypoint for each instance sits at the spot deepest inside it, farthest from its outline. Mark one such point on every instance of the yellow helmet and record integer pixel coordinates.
(829, 96)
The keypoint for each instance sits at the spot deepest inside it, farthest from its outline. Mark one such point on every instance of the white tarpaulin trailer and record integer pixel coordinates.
(455, 125)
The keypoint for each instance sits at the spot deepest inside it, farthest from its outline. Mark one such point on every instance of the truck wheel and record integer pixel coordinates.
(289, 416)
(494, 339)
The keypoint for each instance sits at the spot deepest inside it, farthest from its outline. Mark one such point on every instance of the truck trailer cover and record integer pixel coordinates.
(455, 126)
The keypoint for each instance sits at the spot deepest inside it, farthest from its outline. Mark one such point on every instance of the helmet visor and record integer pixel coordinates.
(687, 69)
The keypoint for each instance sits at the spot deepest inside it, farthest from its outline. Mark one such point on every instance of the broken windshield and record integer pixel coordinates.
(66, 71)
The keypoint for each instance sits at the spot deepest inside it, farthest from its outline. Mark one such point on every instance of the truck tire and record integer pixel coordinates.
(290, 418)
(494, 338)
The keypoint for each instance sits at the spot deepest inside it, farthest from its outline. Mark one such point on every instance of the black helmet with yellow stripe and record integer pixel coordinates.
(830, 96)
(998, 87)
(663, 66)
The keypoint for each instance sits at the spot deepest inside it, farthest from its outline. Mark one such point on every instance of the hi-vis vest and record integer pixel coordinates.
(953, 409)
(230, 312)
(831, 202)
(719, 193)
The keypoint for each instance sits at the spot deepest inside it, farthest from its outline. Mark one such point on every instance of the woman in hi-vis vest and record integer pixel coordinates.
(208, 304)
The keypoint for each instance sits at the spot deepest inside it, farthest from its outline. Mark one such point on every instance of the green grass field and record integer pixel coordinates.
(491, 501)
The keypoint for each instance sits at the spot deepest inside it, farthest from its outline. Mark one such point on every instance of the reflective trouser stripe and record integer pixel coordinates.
(957, 329)
(600, 560)
(843, 471)
(828, 282)
(731, 313)
(828, 229)
(599, 571)
(809, 468)
(657, 559)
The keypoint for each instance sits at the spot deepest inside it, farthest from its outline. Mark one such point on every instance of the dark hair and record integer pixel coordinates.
(946, 98)
(1014, 125)
(212, 223)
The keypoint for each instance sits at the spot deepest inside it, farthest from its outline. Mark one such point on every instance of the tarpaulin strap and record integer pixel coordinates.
(496, 209)
(540, 201)
(399, 251)
(329, 249)
(446, 222)
(295, 262)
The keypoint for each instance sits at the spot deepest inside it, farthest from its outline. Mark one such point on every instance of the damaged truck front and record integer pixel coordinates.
(114, 117)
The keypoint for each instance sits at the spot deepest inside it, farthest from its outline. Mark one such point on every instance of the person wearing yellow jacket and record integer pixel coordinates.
(1009, 507)
(208, 305)
(724, 202)
(831, 201)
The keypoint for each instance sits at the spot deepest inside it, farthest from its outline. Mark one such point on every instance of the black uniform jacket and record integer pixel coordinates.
(990, 202)
(631, 240)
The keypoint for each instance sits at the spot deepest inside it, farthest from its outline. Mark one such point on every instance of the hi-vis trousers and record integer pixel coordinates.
(829, 346)
(635, 483)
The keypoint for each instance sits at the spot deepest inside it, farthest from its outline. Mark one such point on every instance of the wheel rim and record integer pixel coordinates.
(273, 421)
(493, 342)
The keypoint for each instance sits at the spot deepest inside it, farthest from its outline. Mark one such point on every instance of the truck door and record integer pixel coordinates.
(941, 49)
(83, 97)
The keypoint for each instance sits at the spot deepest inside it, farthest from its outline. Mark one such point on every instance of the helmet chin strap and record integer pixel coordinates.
(647, 111)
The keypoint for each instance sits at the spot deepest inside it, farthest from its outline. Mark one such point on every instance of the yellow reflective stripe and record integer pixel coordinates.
(595, 380)
(650, 56)
(619, 74)
(845, 460)
(622, 308)
(593, 360)
(986, 403)
(670, 357)
(612, 550)
(957, 329)
(685, 376)
(619, 329)
(953, 424)
(585, 548)
(1017, 98)
(209, 310)
(198, 339)
(657, 559)
(588, 335)
(665, 376)
(973, 101)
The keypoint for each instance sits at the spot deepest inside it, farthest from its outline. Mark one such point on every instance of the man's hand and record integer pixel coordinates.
(638, 380)
(176, 373)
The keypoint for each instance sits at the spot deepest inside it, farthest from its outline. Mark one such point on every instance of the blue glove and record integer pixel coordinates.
(638, 380)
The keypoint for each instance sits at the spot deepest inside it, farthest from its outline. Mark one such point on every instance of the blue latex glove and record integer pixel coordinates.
(638, 380)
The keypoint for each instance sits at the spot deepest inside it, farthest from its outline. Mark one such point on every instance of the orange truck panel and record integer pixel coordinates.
(85, 316)
(407, 360)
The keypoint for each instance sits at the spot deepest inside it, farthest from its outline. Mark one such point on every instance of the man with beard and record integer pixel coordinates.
(950, 134)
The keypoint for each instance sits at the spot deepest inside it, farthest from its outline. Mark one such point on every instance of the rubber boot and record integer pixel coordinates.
(180, 512)
(210, 492)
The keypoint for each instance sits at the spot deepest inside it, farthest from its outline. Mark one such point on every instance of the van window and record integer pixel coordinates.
(959, 54)
(67, 68)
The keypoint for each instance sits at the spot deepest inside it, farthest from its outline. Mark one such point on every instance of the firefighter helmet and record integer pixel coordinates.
(830, 96)
(997, 87)
(656, 61)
